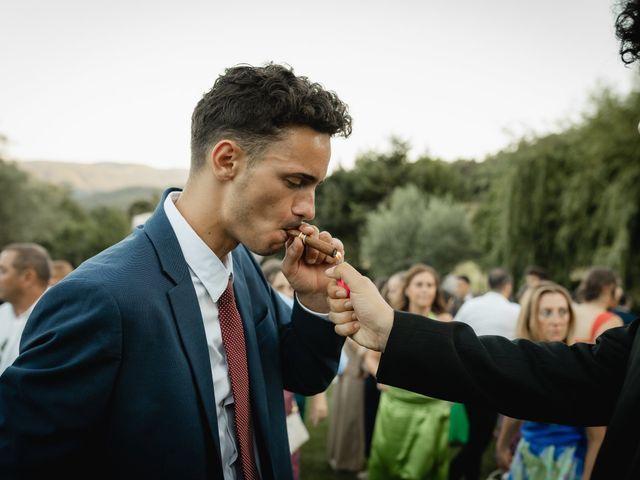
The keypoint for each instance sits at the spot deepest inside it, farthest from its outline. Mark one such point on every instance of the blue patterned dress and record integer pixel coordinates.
(549, 452)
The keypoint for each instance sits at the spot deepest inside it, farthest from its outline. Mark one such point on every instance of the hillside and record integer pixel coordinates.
(121, 199)
(91, 178)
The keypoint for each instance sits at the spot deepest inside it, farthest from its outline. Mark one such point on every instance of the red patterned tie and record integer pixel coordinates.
(234, 345)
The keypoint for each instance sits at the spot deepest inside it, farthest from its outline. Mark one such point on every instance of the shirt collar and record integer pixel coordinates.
(212, 272)
(497, 296)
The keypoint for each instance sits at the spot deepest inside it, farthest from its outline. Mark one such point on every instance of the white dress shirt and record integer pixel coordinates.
(490, 314)
(210, 276)
(11, 333)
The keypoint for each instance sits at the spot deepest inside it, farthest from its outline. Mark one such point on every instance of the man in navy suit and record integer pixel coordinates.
(125, 368)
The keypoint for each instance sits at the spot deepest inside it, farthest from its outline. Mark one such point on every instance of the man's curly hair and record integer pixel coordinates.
(628, 31)
(253, 105)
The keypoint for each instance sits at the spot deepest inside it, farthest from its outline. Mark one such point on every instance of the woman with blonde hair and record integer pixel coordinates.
(546, 450)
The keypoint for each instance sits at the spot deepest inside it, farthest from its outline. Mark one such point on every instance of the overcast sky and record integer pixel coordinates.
(117, 80)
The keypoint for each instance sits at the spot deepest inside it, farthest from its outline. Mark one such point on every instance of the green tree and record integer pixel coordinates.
(143, 205)
(413, 228)
(347, 196)
(569, 200)
(29, 209)
(33, 211)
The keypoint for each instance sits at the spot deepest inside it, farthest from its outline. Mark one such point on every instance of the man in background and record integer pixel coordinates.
(24, 277)
(488, 314)
(462, 294)
(59, 270)
(533, 275)
(492, 313)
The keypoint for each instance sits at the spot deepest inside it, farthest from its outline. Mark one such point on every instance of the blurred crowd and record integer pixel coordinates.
(381, 432)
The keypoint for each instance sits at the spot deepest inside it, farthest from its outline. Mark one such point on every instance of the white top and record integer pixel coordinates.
(11, 332)
(210, 276)
(490, 314)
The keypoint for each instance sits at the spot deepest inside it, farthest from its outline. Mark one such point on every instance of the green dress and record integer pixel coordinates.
(410, 439)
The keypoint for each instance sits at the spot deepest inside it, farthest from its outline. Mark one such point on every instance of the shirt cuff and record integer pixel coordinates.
(324, 316)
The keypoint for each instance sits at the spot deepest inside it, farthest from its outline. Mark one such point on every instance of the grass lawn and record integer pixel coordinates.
(313, 455)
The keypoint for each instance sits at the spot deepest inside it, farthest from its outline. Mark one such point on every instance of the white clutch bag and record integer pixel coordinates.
(296, 430)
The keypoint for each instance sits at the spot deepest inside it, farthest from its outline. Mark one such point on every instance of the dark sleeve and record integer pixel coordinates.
(57, 389)
(308, 347)
(310, 351)
(547, 382)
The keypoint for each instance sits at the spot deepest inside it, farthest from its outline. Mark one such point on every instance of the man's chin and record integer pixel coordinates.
(265, 251)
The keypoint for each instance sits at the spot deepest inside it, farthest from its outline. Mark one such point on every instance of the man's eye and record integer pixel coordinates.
(293, 182)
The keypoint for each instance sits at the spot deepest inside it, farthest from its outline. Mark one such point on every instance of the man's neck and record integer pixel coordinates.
(420, 311)
(601, 302)
(204, 220)
(502, 293)
(25, 302)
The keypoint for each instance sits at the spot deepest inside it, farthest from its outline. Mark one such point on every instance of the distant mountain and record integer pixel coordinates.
(85, 178)
(121, 199)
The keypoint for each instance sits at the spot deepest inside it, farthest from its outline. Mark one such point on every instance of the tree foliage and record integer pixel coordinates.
(570, 200)
(413, 228)
(566, 201)
(32, 211)
(347, 197)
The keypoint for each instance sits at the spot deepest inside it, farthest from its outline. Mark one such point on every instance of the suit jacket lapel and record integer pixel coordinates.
(194, 341)
(186, 311)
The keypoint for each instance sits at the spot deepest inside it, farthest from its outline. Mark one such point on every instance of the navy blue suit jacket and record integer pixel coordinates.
(114, 379)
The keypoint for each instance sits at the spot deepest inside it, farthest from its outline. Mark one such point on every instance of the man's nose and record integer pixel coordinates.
(305, 206)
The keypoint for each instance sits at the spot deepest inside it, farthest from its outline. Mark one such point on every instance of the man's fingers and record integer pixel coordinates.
(340, 318)
(292, 255)
(345, 272)
(340, 305)
(336, 291)
(311, 255)
(338, 245)
(347, 329)
(322, 257)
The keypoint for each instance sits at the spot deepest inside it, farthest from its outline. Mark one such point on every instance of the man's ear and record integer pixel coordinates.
(226, 159)
(28, 275)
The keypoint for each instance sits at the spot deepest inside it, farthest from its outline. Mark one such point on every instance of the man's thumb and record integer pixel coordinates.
(343, 271)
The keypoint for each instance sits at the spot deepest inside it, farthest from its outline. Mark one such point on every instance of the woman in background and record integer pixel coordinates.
(410, 440)
(597, 293)
(546, 451)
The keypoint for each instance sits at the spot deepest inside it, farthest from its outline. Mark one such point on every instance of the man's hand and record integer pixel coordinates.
(305, 268)
(365, 316)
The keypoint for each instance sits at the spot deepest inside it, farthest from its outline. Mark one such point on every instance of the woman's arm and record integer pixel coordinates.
(318, 409)
(371, 362)
(508, 431)
(595, 435)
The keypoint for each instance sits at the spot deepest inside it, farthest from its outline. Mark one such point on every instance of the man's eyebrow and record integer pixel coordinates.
(306, 177)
